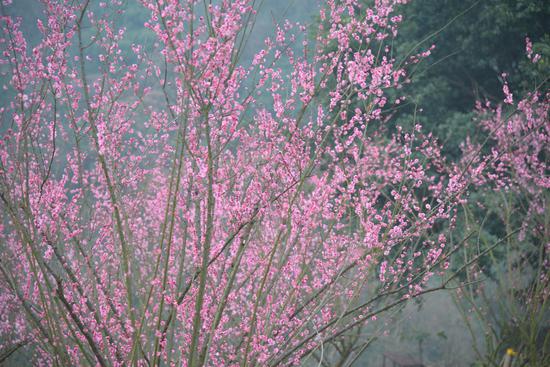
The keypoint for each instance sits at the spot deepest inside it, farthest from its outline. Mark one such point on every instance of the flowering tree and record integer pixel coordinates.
(514, 310)
(181, 206)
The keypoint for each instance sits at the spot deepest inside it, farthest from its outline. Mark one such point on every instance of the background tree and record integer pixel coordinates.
(475, 42)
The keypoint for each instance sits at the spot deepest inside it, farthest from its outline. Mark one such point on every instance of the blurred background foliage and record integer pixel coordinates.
(475, 42)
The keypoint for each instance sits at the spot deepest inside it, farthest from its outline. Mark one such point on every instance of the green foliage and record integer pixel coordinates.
(476, 41)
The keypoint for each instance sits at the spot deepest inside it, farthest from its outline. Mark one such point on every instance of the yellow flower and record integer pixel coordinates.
(511, 352)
